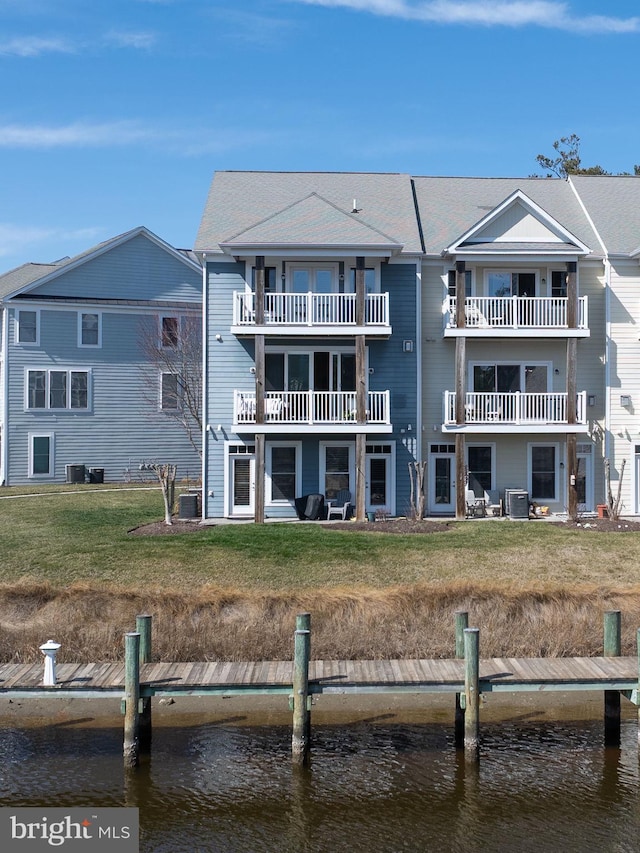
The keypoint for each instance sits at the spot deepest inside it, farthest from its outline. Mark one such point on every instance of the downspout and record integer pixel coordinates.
(607, 361)
(205, 384)
(4, 372)
(419, 367)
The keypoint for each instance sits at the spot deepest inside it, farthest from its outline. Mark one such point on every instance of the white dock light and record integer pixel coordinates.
(49, 650)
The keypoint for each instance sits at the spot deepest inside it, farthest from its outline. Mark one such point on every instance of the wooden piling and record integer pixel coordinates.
(301, 717)
(471, 695)
(143, 627)
(303, 623)
(131, 699)
(612, 648)
(462, 622)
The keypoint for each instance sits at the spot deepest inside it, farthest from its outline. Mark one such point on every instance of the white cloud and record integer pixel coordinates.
(16, 239)
(489, 13)
(78, 135)
(29, 46)
(139, 41)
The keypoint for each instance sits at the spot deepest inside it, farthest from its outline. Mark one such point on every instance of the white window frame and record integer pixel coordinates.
(47, 391)
(313, 270)
(81, 344)
(558, 460)
(50, 473)
(269, 499)
(529, 362)
(178, 404)
(35, 311)
(322, 465)
(492, 446)
(335, 350)
(511, 271)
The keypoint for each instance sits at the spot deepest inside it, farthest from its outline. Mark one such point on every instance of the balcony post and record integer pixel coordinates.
(572, 295)
(461, 294)
(259, 288)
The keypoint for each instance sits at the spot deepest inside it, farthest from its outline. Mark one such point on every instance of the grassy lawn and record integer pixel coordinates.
(70, 538)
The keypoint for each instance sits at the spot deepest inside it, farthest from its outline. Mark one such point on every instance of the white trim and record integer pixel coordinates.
(51, 472)
(558, 460)
(391, 505)
(4, 401)
(268, 483)
(81, 345)
(54, 369)
(322, 463)
(494, 458)
(518, 197)
(227, 479)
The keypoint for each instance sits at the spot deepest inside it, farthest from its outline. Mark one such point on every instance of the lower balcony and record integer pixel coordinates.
(515, 411)
(326, 411)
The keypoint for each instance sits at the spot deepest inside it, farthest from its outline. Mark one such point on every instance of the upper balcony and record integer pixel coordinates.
(315, 411)
(519, 316)
(311, 314)
(514, 412)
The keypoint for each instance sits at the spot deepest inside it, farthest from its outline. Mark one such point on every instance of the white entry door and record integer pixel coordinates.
(442, 478)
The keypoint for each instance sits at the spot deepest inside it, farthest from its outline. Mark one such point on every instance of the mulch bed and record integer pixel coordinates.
(398, 525)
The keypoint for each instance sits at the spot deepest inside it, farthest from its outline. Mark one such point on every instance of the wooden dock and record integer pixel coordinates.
(137, 679)
(101, 680)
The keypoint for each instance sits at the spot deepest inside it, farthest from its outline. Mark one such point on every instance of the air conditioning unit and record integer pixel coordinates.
(75, 473)
(517, 503)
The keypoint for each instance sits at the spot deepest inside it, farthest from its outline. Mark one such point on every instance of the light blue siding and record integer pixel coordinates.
(123, 425)
(139, 269)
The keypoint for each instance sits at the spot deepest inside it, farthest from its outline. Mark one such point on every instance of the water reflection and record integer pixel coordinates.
(540, 786)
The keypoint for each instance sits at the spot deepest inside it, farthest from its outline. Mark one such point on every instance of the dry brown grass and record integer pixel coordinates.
(217, 624)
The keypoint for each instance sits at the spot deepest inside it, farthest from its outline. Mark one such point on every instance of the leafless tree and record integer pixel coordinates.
(614, 504)
(416, 476)
(172, 346)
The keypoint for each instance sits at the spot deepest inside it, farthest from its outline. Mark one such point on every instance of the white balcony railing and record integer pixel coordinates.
(516, 312)
(516, 407)
(310, 309)
(310, 407)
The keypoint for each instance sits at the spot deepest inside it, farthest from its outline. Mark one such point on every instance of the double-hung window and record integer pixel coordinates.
(89, 329)
(283, 472)
(169, 391)
(28, 327)
(58, 389)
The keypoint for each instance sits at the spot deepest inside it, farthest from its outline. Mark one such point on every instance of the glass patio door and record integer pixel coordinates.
(442, 479)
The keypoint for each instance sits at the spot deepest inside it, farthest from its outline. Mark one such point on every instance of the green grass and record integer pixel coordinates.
(83, 539)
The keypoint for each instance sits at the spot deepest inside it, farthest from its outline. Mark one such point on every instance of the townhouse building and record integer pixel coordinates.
(81, 395)
(313, 345)
(357, 323)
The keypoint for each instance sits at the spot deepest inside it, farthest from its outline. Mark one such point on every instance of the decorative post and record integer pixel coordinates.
(471, 695)
(131, 699)
(301, 718)
(462, 623)
(612, 649)
(143, 627)
(49, 650)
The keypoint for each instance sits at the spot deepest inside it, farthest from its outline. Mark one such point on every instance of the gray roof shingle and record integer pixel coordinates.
(613, 204)
(240, 201)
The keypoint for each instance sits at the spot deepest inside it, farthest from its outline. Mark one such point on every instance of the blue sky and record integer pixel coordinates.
(116, 113)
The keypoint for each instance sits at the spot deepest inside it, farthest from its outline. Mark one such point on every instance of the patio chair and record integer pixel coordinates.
(476, 507)
(494, 505)
(340, 506)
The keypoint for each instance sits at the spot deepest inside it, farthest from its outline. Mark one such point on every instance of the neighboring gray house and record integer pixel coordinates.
(79, 389)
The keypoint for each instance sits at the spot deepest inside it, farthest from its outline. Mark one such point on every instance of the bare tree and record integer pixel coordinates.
(417, 498)
(614, 504)
(172, 346)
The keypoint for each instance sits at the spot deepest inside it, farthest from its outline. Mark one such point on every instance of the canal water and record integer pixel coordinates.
(375, 784)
